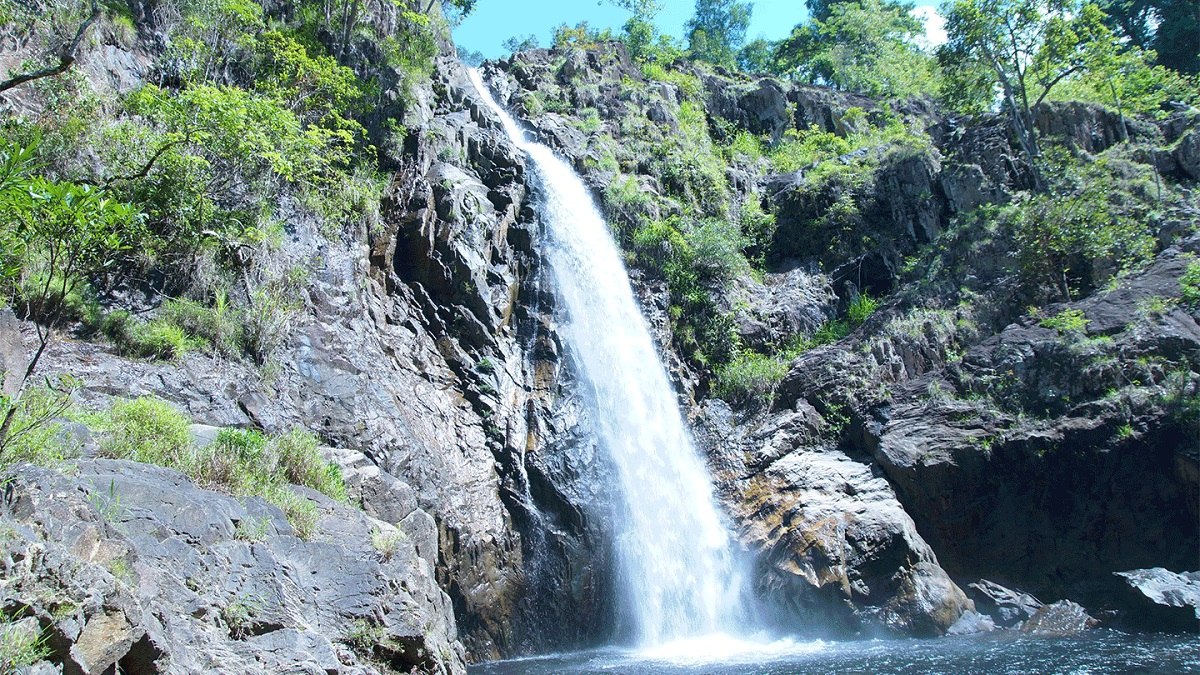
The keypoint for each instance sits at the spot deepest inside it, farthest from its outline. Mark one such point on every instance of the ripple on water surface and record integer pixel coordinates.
(1094, 652)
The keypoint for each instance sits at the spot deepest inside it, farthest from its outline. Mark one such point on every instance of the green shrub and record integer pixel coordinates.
(302, 463)
(827, 333)
(1066, 321)
(744, 145)
(749, 377)
(148, 430)
(162, 339)
(36, 435)
(861, 307)
(387, 543)
(240, 462)
(802, 149)
(220, 326)
(1189, 283)
(716, 247)
(689, 85)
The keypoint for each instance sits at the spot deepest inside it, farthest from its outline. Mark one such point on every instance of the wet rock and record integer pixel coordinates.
(1162, 600)
(971, 623)
(1059, 617)
(1006, 607)
(834, 543)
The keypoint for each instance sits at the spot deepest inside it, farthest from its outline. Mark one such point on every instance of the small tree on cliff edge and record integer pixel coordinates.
(54, 235)
(717, 30)
(1024, 47)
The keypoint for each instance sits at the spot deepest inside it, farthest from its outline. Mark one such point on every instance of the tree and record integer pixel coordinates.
(520, 43)
(1026, 47)
(639, 32)
(61, 233)
(757, 56)
(717, 30)
(866, 46)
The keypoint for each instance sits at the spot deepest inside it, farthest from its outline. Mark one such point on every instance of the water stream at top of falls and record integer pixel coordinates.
(679, 576)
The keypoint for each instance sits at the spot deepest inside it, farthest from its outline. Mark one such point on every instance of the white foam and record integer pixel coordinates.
(729, 649)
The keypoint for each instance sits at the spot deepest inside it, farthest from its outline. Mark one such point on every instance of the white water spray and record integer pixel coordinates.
(679, 574)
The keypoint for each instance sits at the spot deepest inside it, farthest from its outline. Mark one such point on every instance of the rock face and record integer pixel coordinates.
(133, 566)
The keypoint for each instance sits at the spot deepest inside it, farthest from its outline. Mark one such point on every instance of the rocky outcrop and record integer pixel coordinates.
(1162, 599)
(834, 546)
(130, 566)
(1007, 608)
(1059, 618)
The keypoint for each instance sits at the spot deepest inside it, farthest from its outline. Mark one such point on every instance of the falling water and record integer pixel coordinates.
(678, 572)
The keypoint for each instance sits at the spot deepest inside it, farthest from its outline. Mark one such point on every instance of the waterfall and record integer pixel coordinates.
(679, 576)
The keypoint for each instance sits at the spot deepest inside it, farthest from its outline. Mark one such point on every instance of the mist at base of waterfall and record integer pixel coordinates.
(1002, 653)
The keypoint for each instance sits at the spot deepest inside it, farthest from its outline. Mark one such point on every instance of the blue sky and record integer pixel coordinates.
(493, 21)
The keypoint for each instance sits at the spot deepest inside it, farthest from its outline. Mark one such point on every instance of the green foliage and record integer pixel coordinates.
(839, 166)
(861, 307)
(303, 464)
(757, 56)
(148, 430)
(159, 338)
(717, 30)
(691, 166)
(1093, 219)
(665, 248)
(758, 228)
(744, 145)
(36, 435)
(866, 46)
(716, 249)
(387, 543)
(411, 49)
(687, 83)
(1126, 80)
(826, 334)
(749, 377)
(802, 149)
(1189, 283)
(56, 233)
(581, 36)
(1027, 48)
(1066, 321)
(639, 32)
(219, 326)
(520, 43)
(240, 462)
(20, 647)
(626, 202)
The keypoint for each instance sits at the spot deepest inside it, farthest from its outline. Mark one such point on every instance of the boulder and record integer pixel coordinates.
(1006, 607)
(1160, 599)
(1062, 617)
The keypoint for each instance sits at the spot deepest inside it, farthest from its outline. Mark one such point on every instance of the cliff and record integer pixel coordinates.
(968, 425)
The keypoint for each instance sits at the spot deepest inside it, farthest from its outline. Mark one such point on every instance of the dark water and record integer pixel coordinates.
(1094, 652)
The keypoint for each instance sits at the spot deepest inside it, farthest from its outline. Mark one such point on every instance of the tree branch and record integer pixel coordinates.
(66, 58)
(1058, 78)
(145, 170)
